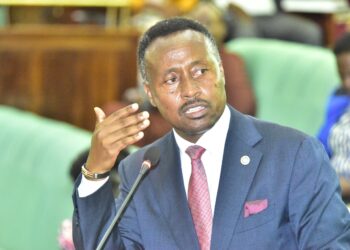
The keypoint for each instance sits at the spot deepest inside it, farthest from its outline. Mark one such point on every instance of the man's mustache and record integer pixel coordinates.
(193, 102)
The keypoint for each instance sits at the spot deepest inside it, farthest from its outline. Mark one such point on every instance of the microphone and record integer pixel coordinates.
(150, 159)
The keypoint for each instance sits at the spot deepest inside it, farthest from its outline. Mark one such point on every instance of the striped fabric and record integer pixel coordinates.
(339, 142)
(199, 198)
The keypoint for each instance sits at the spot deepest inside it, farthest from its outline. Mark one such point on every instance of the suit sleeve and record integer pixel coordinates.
(91, 217)
(319, 216)
(94, 213)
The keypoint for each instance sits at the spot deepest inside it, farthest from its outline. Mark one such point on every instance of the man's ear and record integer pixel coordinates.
(147, 89)
(221, 68)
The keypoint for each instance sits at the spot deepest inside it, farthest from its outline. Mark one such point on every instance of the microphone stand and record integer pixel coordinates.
(146, 166)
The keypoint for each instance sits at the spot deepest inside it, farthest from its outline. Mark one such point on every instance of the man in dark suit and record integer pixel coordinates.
(252, 184)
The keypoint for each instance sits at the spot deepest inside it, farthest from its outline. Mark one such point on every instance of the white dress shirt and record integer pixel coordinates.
(213, 141)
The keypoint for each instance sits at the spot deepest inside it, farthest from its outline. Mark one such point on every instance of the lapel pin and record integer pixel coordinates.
(245, 160)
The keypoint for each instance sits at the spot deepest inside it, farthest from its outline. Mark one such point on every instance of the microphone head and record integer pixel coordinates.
(152, 155)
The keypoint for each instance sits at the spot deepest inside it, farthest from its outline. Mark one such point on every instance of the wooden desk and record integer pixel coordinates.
(62, 72)
(117, 11)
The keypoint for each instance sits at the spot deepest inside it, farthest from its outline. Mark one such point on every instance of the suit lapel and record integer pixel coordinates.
(171, 195)
(235, 179)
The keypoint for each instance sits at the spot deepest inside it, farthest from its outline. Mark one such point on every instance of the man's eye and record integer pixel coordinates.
(200, 72)
(171, 80)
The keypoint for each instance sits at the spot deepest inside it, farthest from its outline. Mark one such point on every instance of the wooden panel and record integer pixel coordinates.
(102, 3)
(63, 72)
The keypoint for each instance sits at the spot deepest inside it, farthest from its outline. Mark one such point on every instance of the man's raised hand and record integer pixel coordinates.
(114, 133)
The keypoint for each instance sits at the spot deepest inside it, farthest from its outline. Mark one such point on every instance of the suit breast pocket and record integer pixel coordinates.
(256, 220)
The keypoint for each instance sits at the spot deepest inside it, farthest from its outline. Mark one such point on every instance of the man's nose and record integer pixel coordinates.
(189, 88)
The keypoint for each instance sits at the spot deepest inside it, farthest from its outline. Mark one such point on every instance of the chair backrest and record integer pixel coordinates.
(35, 186)
(291, 81)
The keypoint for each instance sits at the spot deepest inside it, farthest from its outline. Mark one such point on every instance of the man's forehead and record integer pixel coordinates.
(182, 36)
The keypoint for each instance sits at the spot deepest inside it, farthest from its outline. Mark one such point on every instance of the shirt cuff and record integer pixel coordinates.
(88, 187)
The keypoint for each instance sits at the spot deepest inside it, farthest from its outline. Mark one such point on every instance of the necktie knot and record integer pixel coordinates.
(195, 152)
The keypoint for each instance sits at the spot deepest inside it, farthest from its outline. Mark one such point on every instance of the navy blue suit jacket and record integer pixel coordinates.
(287, 168)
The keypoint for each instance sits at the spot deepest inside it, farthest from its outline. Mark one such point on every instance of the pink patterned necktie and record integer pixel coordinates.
(199, 199)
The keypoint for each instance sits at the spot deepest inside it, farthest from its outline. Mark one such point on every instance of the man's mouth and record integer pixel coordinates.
(194, 109)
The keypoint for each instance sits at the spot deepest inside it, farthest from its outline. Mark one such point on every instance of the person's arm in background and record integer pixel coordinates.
(324, 130)
(345, 185)
(336, 106)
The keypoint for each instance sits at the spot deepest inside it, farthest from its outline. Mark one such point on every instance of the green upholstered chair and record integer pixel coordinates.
(291, 81)
(35, 186)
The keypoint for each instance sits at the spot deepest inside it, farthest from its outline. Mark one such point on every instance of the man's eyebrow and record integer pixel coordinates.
(172, 69)
(196, 62)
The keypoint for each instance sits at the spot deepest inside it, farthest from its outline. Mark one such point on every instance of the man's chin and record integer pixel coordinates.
(197, 130)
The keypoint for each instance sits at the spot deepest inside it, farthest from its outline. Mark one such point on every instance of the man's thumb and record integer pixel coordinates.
(100, 115)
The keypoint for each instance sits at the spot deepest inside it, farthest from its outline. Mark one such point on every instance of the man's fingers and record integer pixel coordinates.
(126, 141)
(127, 122)
(114, 135)
(124, 112)
(125, 117)
(100, 115)
(120, 114)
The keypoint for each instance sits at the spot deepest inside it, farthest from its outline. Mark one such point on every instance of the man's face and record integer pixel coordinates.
(186, 82)
(343, 61)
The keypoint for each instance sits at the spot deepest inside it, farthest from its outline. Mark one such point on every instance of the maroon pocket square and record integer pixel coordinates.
(254, 207)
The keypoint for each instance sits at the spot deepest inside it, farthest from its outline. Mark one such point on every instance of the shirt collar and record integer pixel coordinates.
(216, 134)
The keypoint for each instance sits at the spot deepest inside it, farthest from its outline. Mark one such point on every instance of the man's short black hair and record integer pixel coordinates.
(342, 45)
(167, 27)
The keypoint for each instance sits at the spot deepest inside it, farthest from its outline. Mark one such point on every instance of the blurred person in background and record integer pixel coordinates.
(335, 132)
(266, 19)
